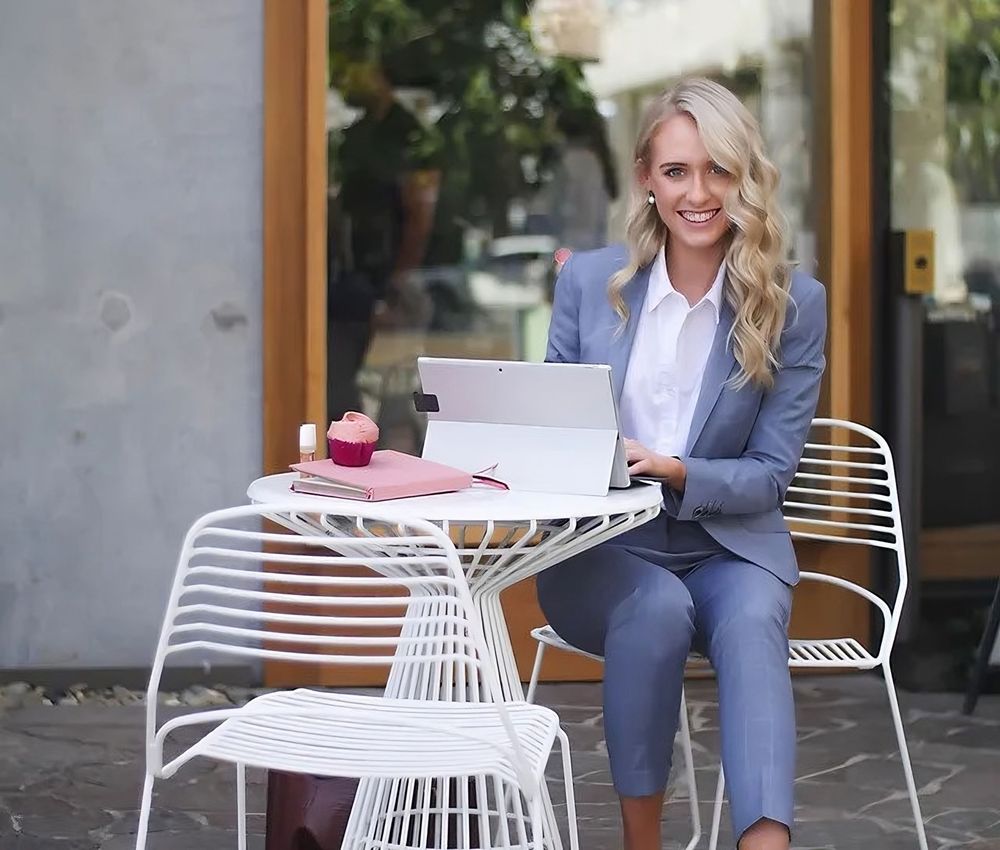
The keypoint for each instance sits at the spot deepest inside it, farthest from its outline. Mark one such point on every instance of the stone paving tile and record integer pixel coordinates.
(70, 775)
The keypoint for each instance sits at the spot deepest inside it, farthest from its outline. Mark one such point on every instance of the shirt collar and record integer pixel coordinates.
(660, 286)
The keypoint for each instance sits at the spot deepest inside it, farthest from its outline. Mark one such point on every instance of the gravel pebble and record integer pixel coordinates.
(23, 694)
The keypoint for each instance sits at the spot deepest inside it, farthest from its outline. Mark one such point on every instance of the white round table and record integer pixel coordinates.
(502, 537)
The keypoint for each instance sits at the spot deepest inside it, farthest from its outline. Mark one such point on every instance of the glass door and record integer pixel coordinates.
(469, 139)
(944, 89)
(465, 148)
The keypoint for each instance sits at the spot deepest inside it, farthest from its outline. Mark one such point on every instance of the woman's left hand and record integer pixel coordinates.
(642, 461)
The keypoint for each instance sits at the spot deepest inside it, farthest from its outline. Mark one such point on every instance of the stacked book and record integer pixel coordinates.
(389, 475)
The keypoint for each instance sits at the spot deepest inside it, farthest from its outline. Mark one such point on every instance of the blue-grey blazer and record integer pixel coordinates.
(744, 443)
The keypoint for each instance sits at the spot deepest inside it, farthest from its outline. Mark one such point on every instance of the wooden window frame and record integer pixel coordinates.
(294, 228)
(295, 80)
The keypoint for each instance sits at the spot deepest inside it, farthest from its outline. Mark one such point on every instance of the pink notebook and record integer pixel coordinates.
(390, 475)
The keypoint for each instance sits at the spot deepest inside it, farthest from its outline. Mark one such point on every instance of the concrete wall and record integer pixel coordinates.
(130, 308)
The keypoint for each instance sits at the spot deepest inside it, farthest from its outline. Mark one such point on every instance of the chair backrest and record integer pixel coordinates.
(845, 491)
(323, 600)
(340, 589)
(355, 589)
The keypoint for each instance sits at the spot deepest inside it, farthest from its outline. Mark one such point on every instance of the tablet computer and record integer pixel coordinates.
(544, 427)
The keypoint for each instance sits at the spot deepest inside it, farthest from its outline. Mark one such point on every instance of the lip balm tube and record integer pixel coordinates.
(307, 444)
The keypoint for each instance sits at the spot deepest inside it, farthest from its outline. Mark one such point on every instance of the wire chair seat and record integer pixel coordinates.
(317, 732)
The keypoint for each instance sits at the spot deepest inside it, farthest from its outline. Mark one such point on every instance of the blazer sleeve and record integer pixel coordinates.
(564, 326)
(756, 481)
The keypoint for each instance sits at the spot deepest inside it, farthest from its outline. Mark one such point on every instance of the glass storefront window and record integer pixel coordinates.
(468, 141)
(944, 83)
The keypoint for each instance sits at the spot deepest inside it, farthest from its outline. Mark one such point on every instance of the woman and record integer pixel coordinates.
(716, 348)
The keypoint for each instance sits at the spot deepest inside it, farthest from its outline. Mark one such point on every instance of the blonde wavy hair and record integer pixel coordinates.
(758, 276)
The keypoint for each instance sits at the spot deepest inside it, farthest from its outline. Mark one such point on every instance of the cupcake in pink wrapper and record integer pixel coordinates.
(352, 439)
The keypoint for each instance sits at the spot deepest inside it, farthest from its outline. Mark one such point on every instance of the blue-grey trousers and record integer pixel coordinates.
(643, 601)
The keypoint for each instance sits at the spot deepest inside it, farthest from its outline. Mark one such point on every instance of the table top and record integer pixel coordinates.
(476, 504)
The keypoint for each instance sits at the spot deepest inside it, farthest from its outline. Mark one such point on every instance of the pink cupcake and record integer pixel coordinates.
(352, 439)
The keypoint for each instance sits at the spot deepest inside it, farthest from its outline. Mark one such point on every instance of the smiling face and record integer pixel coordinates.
(688, 185)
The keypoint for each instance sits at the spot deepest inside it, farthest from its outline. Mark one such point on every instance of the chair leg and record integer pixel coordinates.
(904, 754)
(501, 832)
(241, 805)
(689, 773)
(144, 809)
(535, 671)
(530, 698)
(720, 789)
(982, 665)
(574, 835)
(537, 824)
(548, 813)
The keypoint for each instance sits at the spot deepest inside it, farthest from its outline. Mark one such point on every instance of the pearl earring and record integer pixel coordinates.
(651, 198)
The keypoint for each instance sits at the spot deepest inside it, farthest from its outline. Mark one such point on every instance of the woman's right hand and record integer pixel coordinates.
(642, 461)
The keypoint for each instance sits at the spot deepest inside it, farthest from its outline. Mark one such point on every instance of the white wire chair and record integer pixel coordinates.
(444, 761)
(843, 492)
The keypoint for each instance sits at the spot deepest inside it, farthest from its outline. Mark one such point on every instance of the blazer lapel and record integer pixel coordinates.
(717, 371)
(620, 347)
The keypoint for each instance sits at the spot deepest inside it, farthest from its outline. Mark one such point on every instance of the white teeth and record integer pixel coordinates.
(698, 217)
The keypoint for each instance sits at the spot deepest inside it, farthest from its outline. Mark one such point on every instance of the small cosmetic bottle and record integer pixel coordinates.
(307, 443)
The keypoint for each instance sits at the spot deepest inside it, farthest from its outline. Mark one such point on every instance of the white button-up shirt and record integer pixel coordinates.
(667, 362)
